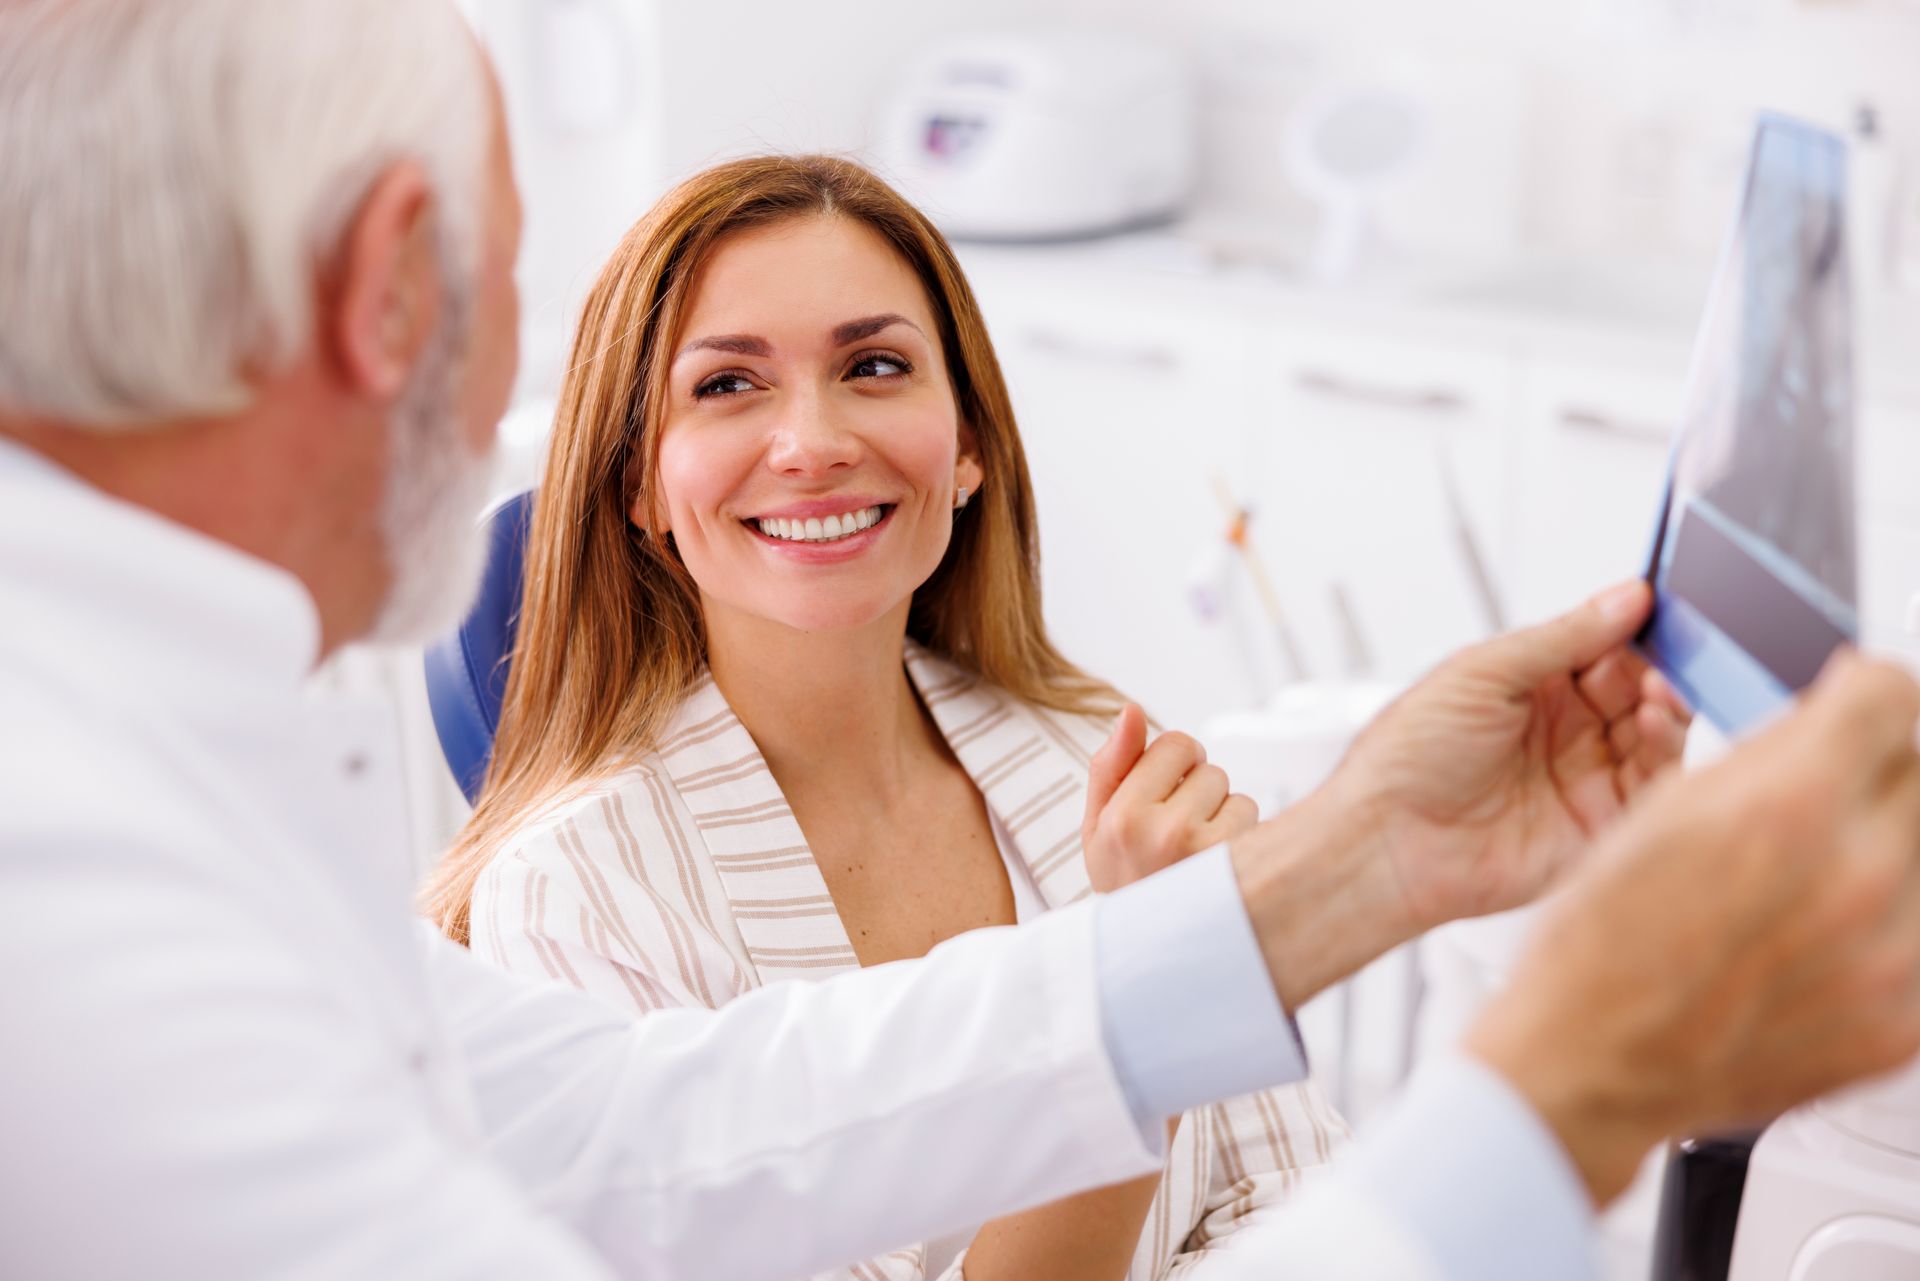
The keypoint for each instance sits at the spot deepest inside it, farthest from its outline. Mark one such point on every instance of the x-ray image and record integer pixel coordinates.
(1753, 564)
(1769, 454)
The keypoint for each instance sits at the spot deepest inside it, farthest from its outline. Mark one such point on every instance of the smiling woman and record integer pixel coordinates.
(782, 702)
(800, 409)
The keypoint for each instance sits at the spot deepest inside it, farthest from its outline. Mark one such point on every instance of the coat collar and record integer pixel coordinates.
(1030, 766)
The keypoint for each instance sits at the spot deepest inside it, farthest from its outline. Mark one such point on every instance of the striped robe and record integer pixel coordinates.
(684, 879)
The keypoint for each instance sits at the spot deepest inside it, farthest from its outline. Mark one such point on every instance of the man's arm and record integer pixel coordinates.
(841, 1119)
(1747, 940)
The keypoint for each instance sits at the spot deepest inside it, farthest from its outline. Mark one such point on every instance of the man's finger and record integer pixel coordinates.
(1659, 741)
(1655, 688)
(1576, 640)
(1624, 736)
(1613, 686)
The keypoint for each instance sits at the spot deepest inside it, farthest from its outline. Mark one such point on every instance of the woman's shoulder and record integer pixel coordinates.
(619, 805)
(628, 800)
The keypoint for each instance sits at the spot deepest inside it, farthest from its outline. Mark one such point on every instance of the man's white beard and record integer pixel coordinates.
(436, 487)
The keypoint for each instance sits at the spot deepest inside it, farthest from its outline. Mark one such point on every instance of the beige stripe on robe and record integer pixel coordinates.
(684, 879)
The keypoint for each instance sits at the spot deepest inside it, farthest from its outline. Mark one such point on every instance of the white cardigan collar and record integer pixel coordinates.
(1029, 764)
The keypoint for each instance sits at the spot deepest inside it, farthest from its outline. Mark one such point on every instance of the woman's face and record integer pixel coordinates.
(812, 450)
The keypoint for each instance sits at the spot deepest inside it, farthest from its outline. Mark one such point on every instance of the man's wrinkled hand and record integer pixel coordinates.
(1488, 778)
(1747, 940)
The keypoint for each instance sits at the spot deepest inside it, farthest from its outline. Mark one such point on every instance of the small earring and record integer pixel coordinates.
(961, 501)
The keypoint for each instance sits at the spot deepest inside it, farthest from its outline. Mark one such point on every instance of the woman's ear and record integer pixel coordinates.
(968, 474)
(643, 519)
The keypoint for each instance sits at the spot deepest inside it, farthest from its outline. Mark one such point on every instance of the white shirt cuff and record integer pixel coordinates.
(1187, 1007)
(1467, 1166)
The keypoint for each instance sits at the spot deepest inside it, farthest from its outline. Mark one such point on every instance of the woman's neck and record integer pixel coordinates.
(831, 710)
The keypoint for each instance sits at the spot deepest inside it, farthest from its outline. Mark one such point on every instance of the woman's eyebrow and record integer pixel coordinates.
(738, 344)
(868, 326)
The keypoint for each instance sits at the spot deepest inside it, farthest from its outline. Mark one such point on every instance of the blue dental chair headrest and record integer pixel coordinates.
(467, 671)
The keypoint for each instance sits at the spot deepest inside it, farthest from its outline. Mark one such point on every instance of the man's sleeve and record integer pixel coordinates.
(1460, 1182)
(806, 1125)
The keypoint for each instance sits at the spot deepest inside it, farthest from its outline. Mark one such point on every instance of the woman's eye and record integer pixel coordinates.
(878, 365)
(721, 385)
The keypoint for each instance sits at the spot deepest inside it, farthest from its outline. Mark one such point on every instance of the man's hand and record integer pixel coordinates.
(1469, 794)
(1150, 807)
(1490, 776)
(1748, 939)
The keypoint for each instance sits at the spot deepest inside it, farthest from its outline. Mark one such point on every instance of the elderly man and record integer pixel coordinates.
(256, 326)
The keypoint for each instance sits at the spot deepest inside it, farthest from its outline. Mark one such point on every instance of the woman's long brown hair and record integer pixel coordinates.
(610, 635)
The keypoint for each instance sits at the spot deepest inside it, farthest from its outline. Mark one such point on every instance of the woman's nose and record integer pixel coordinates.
(809, 440)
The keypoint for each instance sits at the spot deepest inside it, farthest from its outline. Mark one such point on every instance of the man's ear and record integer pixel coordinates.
(385, 295)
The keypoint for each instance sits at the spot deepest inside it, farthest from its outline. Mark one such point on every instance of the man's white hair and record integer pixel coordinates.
(174, 173)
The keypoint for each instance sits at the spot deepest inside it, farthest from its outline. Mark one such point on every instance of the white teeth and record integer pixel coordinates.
(813, 530)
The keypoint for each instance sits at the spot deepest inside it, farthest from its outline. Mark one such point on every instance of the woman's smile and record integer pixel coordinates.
(843, 532)
(844, 522)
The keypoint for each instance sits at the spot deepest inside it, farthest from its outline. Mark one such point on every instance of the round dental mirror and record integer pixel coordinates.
(1346, 148)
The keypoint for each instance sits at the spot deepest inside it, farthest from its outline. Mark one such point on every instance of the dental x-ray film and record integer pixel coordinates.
(1753, 562)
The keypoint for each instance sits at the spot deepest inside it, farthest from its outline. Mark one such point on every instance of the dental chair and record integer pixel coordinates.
(467, 671)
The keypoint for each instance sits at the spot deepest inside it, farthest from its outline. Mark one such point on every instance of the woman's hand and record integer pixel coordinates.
(1150, 807)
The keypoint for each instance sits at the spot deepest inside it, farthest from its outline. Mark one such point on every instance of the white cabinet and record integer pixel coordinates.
(1381, 480)
(1127, 418)
(1592, 442)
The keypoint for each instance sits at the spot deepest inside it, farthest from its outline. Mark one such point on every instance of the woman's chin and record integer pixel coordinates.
(815, 616)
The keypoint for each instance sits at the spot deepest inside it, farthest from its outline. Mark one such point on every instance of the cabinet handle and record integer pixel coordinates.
(1429, 400)
(1141, 357)
(1580, 418)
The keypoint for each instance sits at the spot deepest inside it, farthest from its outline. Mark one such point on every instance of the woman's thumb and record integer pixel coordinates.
(1115, 759)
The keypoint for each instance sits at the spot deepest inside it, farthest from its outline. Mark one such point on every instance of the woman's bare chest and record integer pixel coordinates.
(912, 875)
